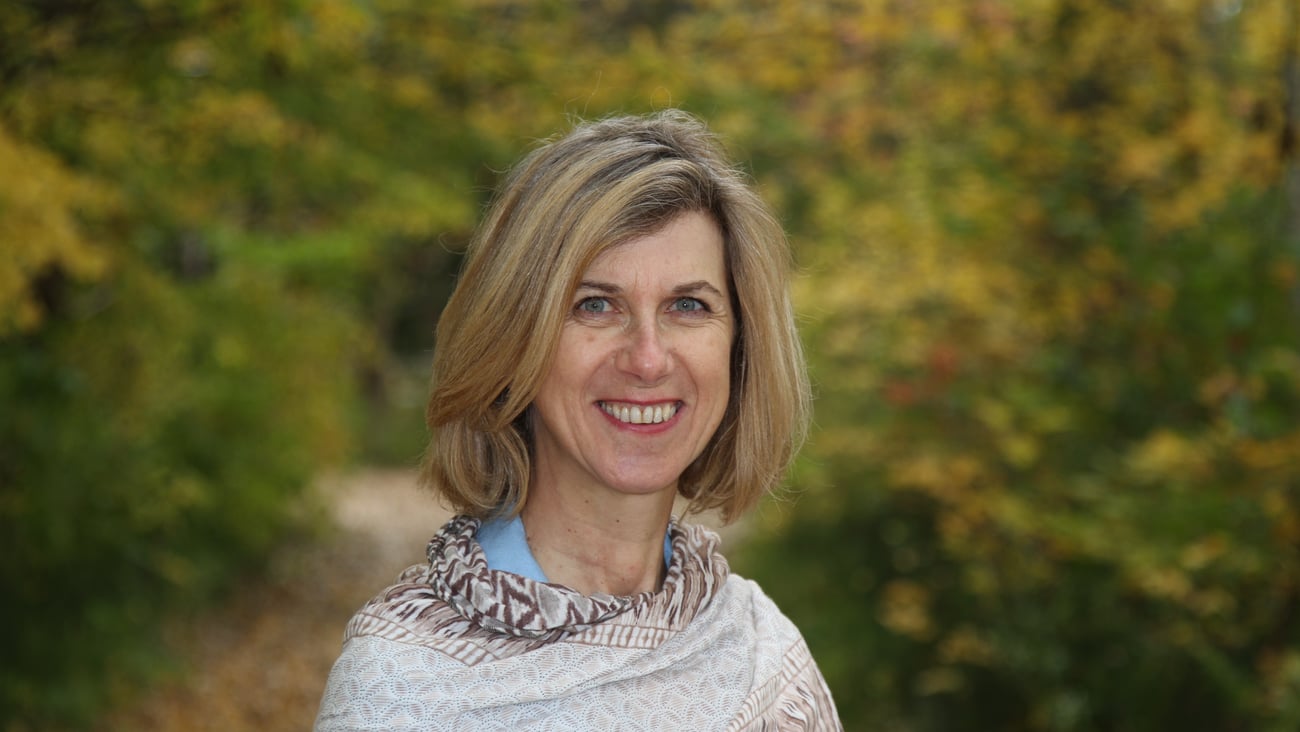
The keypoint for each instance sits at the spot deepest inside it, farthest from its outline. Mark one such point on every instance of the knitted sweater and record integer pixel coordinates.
(455, 645)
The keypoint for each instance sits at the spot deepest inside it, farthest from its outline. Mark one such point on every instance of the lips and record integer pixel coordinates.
(640, 413)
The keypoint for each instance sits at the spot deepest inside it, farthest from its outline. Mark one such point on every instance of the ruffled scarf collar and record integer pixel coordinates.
(502, 602)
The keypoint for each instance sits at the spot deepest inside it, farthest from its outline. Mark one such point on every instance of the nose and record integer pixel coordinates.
(646, 354)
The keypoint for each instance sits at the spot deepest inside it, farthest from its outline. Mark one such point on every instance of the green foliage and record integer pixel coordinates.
(150, 449)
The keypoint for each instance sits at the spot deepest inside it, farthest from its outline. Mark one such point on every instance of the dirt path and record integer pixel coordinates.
(260, 662)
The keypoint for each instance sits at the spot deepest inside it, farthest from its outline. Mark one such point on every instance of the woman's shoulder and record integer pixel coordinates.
(770, 624)
(405, 610)
(789, 690)
(412, 610)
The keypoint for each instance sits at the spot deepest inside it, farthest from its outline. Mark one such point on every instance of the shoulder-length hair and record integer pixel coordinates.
(573, 198)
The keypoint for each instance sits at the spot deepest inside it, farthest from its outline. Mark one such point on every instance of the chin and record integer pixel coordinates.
(645, 486)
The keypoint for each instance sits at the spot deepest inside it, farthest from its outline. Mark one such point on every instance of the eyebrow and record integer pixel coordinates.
(682, 289)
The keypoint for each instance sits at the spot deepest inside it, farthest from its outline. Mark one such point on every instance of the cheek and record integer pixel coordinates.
(577, 355)
(713, 361)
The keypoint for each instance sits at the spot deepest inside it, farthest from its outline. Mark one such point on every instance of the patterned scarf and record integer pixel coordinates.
(455, 645)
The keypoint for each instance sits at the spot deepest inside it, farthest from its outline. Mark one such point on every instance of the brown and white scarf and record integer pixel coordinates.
(456, 645)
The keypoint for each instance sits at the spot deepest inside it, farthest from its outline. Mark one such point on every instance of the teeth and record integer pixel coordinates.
(640, 415)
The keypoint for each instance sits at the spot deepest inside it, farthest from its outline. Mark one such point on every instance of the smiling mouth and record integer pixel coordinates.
(640, 414)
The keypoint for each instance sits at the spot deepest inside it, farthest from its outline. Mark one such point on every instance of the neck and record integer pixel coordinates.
(599, 543)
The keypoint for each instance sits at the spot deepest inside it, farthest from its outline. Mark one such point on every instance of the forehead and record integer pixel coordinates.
(690, 244)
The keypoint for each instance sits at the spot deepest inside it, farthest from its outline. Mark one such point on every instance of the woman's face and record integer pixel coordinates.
(642, 372)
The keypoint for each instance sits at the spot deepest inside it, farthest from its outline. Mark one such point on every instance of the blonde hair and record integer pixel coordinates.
(603, 184)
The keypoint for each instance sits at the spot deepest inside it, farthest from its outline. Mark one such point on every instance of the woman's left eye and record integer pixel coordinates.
(689, 305)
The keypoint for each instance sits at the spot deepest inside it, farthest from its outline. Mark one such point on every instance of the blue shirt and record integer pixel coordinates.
(506, 547)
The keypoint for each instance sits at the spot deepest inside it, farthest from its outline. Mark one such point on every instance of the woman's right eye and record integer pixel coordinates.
(594, 305)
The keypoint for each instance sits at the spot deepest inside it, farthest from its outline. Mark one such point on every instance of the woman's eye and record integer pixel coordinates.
(594, 305)
(689, 305)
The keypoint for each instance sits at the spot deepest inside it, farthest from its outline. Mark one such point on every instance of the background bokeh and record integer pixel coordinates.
(1050, 292)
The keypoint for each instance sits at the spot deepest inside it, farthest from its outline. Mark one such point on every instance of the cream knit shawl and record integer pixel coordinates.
(457, 646)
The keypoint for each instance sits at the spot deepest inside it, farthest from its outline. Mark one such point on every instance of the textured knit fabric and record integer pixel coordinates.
(455, 645)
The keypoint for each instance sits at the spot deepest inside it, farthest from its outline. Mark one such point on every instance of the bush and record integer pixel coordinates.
(154, 444)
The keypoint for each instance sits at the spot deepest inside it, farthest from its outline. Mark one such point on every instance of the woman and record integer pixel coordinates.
(620, 335)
